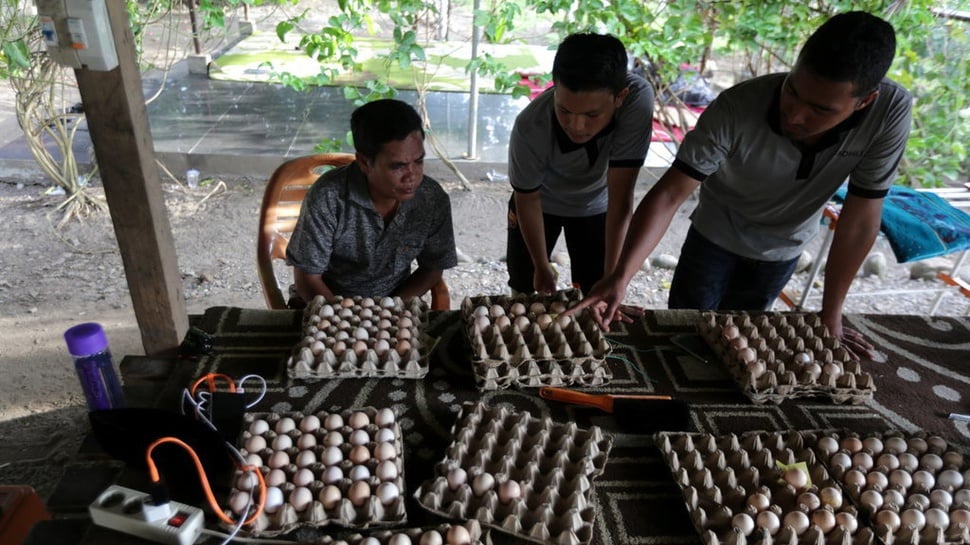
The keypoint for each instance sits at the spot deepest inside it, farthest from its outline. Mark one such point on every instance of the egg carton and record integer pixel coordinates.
(526, 476)
(776, 356)
(523, 341)
(343, 468)
(354, 337)
(737, 493)
(469, 533)
(914, 488)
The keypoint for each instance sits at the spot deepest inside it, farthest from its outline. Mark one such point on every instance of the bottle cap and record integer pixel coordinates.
(86, 339)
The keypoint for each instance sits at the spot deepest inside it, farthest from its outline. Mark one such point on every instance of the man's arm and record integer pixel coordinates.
(418, 283)
(528, 209)
(854, 235)
(620, 183)
(309, 286)
(650, 222)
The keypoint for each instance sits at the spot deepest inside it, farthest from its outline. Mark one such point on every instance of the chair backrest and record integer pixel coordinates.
(279, 212)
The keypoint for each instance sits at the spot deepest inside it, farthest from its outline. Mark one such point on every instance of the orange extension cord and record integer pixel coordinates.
(153, 474)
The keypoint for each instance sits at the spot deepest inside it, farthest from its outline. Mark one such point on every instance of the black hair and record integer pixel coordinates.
(590, 62)
(377, 123)
(855, 46)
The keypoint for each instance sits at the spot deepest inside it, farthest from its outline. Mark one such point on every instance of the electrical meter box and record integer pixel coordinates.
(77, 33)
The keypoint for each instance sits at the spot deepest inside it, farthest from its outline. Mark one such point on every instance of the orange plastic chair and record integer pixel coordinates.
(279, 212)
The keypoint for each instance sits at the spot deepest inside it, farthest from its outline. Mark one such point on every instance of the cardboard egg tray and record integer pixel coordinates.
(522, 341)
(776, 356)
(527, 476)
(913, 488)
(737, 493)
(469, 533)
(380, 453)
(356, 337)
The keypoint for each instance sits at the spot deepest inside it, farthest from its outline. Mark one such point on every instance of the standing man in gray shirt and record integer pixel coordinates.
(574, 156)
(767, 155)
(363, 225)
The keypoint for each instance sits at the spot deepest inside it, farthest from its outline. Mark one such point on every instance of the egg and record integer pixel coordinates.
(332, 475)
(386, 470)
(960, 516)
(738, 343)
(456, 478)
(918, 501)
(385, 435)
(306, 458)
(941, 498)
(326, 311)
(333, 422)
(758, 501)
(359, 473)
(949, 479)
(888, 519)
(496, 310)
(303, 477)
(913, 518)
(301, 498)
(359, 454)
(908, 461)
(730, 332)
(396, 539)
(916, 445)
(747, 355)
(332, 456)
(359, 493)
(537, 308)
(887, 462)
(381, 346)
(743, 522)
(862, 460)
(871, 500)
(387, 493)
(503, 323)
(359, 347)
(831, 497)
(936, 518)
(828, 445)
(923, 481)
(931, 462)
(282, 442)
(802, 358)
(809, 500)
(258, 427)
(333, 439)
(854, 478)
(274, 500)
(431, 537)
(358, 420)
(247, 481)
(509, 491)
(893, 498)
(359, 437)
(840, 460)
(796, 477)
(239, 502)
(253, 459)
(458, 535)
(330, 496)
(403, 347)
(285, 425)
(851, 444)
(824, 519)
(385, 417)
(255, 443)
(384, 452)
(876, 480)
(482, 483)
(310, 423)
(279, 459)
(847, 521)
(306, 441)
(797, 520)
(275, 477)
(768, 521)
(900, 479)
(522, 323)
(543, 321)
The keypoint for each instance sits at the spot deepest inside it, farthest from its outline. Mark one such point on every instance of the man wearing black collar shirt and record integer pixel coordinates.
(574, 156)
(767, 155)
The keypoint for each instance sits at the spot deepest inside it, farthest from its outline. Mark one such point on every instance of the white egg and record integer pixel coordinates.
(333, 422)
(333, 439)
(384, 417)
(387, 470)
(522, 323)
(431, 537)
(758, 501)
(797, 520)
(303, 477)
(385, 435)
(310, 423)
(306, 441)
(274, 500)
(405, 323)
(282, 442)
(258, 427)
(370, 540)
(332, 475)
(397, 539)
(769, 521)
(809, 500)
(276, 477)
(285, 425)
(482, 483)
(796, 477)
(359, 473)
(247, 481)
(847, 521)
(496, 310)
(279, 459)
(913, 518)
(937, 518)
(301, 498)
(384, 452)
(239, 501)
(253, 459)
(255, 443)
(388, 302)
(509, 491)
(831, 497)
(359, 437)
(743, 522)
(387, 493)
(306, 458)
(332, 456)
(889, 519)
(457, 477)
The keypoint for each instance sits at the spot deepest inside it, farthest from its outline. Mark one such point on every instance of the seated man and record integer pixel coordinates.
(363, 225)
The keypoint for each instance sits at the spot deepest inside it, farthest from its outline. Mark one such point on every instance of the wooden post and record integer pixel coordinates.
(114, 105)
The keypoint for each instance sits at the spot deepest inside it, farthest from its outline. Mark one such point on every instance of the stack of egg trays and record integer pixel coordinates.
(735, 492)
(444, 534)
(521, 341)
(554, 464)
(355, 337)
(914, 488)
(372, 513)
(776, 356)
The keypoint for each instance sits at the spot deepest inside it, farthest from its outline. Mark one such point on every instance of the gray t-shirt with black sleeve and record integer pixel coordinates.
(572, 177)
(761, 196)
(341, 236)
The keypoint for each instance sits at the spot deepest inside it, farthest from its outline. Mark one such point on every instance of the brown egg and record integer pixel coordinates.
(824, 519)
(359, 493)
(797, 520)
(852, 444)
(458, 535)
(330, 496)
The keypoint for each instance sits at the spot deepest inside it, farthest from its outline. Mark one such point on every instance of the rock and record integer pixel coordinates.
(561, 259)
(664, 261)
(928, 268)
(804, 262)
(875, 265)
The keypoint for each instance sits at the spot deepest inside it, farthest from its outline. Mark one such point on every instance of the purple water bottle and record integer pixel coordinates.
(88, 346)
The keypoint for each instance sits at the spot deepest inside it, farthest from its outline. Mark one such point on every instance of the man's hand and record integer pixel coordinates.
(544, 278)
(853, 341)
(603, 302)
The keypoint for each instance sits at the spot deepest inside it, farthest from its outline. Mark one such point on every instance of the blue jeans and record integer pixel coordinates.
(709, 277)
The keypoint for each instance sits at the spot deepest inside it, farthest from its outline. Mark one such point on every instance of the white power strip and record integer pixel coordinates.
(133, 512)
